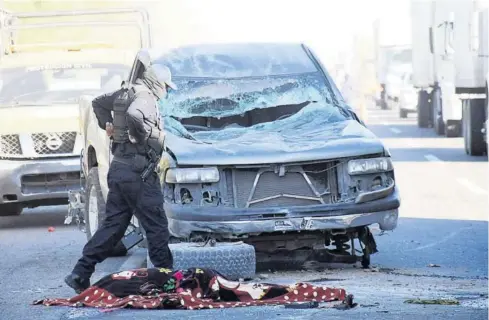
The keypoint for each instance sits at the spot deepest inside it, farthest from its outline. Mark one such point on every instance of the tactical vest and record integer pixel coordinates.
(121, 104)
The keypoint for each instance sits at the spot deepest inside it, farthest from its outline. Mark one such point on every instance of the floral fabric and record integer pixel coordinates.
(194, 288)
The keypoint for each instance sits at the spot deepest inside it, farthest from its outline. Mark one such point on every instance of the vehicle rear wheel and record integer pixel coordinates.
(95, 210)
(403, 113)
(453, 129)
(234, 260)
(473, 121)
(10, 209)
(436, 108)
(424, 113)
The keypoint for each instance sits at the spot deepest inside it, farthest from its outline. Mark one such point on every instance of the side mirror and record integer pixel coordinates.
(432, 45)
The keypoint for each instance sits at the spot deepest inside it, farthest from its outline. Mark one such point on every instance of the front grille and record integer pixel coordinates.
(10, 145)
(51, 182)
(299, 186)
(54, 142)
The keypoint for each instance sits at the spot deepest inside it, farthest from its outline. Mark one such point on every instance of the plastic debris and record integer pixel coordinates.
(433, 301)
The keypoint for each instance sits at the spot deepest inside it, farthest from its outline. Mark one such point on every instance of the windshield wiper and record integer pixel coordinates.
(196, 127)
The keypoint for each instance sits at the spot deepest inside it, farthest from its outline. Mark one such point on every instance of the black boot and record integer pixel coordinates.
(77, 283)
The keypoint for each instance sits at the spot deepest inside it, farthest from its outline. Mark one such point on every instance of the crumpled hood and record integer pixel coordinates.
(35, 119)
(301, 142)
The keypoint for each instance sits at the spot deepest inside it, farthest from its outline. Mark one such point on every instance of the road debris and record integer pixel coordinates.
(432, 265)
(433, 301)
(51, 229)
(372, 269)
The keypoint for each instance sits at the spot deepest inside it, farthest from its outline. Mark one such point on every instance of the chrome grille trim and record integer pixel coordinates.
(54, 142)
(10, 145)
(39, 145)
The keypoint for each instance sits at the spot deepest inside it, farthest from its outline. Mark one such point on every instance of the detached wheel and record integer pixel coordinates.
(232, 260)
(95, 210)
(473, 120)
(10, 209)
(424, 113)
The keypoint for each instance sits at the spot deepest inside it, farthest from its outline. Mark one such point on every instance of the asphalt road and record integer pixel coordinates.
(443, 222)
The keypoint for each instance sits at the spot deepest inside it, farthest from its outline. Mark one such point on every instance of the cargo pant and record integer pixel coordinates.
(129, 195)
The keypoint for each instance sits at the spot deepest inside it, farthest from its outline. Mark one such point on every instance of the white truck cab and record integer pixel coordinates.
(433, 28)
(471, 63)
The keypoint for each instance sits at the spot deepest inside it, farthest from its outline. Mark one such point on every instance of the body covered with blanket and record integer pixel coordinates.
(194, 288)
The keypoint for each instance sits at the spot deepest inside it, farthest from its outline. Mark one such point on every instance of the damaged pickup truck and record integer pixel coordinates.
(262, 151)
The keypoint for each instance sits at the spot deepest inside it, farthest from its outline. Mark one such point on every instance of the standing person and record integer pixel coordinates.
(134, 186)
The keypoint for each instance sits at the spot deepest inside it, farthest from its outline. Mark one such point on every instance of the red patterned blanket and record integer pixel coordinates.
(190, 289)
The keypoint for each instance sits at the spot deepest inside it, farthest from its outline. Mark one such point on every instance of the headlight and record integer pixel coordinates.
(373, 165)
(192, 175)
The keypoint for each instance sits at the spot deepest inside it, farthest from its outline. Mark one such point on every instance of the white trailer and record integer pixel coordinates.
(433, 29)
(471, 57)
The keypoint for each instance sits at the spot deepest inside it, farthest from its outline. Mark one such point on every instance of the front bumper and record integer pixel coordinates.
(183, 220)
(37, 180)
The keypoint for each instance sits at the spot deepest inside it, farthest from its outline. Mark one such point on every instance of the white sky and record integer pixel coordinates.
(328, 26)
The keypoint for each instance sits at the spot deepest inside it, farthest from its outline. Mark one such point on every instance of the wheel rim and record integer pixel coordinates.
(93, 210)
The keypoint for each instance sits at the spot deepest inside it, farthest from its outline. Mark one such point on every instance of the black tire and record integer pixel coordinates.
(424, 112)
(453, 129)
(10, 209)
(437, 116)
(233, 260)
(403, 114)
(93, 185)
(473, 116)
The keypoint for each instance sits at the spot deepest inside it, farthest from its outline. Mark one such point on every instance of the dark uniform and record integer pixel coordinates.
(136, 133)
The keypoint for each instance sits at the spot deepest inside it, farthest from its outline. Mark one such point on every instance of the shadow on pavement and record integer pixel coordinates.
(34, 218)
(425, 154)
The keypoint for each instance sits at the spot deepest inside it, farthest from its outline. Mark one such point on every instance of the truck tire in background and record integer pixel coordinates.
(95, 210)
(403, 114)
(436, 108)
(424, 112)
(453, 129)
(234, 260)
(383, 98)
(10, 209)
(473, 117)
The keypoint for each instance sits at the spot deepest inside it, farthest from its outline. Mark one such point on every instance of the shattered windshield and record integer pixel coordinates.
(219, 94)
(53, 84)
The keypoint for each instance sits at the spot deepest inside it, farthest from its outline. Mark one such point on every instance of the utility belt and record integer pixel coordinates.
(144, 164)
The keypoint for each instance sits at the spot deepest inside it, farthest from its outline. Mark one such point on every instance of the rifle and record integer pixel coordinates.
(153, 162)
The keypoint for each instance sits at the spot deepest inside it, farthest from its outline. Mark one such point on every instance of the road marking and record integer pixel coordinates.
(432, 158)
(442, 240)
(395, 130)
(472, 187)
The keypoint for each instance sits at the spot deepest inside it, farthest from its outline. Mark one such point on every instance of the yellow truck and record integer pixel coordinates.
(40, 85)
